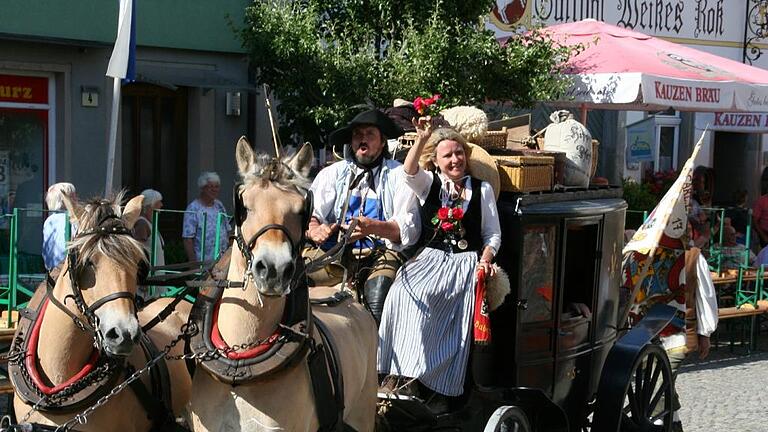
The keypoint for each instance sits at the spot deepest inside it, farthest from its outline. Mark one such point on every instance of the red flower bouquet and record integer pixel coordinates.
(448, 220)
(428, 105)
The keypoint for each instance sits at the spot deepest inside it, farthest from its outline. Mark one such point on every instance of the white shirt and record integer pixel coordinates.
(398, 204)
(421, 182)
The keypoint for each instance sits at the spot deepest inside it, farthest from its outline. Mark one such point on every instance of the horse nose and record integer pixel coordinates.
(273, 275)
(120, 340)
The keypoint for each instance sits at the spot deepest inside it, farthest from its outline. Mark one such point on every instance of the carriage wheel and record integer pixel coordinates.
(648, 397)
(508, 419)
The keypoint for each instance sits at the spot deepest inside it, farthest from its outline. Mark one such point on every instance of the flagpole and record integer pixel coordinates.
(113, 122)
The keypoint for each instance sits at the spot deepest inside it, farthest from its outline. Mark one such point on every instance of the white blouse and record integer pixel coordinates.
(421, 182)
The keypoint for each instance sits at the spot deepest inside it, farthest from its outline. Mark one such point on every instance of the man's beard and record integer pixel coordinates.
(366, 159)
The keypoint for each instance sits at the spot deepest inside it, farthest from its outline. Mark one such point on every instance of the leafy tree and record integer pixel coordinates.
(325, 58)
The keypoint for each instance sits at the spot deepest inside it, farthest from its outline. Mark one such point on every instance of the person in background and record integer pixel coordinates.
(204, 210)
(142, 230)
(54, 237)
(739, 215)
(732, 252)
(760, 216)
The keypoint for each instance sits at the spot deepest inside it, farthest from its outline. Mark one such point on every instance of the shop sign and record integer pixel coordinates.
(641, 137)
(747, 122)
(23, 89)
(677, 19)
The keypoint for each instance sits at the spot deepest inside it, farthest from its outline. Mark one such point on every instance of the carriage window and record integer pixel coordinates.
(538, 272)
(579, 276)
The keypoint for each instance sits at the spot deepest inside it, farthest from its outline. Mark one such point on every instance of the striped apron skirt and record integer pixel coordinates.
(427, 318)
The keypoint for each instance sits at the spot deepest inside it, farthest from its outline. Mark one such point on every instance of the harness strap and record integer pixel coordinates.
(168, 310)
(334, 300)
(157, 403)
(108, 298)
(327, 382)
(50, 285)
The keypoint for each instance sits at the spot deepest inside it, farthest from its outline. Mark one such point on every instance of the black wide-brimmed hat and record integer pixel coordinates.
(374, 117)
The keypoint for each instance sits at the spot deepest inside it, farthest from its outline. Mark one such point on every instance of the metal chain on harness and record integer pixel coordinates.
(187, 331)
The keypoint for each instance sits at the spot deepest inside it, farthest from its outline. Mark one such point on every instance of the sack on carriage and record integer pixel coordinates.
(571, 137)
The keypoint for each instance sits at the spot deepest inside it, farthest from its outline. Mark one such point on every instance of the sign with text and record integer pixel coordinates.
(749, 122)
(23, 89)
(685, 19)
(641, 139)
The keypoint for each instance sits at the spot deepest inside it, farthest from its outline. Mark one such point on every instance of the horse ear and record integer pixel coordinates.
(75, 211)
(244, 156)
(132, 211)
(302, 161)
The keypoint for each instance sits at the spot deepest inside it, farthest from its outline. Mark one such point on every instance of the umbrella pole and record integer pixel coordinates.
(583, 111)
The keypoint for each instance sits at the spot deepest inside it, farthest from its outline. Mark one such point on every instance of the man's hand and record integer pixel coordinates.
(321, 232)
(703, 347)
(365, 226)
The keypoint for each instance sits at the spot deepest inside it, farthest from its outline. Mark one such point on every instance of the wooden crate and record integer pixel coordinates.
(525, 173)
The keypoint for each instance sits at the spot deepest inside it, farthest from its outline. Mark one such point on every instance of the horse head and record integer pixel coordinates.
(272, 208)
(102, 271)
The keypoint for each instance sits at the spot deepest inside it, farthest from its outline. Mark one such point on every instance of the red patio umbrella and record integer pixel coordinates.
(623, 69)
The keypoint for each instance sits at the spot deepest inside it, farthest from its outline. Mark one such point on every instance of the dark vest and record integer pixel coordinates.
(432, 236)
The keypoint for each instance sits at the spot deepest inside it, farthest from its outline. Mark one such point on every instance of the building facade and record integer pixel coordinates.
(734, 30)
(190, 103)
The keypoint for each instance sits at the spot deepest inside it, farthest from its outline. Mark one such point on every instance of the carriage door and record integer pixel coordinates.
(576, 305)
(536, 334)
(154, 145)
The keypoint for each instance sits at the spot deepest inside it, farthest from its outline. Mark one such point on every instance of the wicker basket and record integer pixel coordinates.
(525, 173)
(494, 139)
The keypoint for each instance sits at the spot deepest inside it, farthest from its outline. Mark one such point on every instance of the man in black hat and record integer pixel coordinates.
(368, 187)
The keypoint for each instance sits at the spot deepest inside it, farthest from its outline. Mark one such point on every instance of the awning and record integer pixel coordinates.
(173, 76)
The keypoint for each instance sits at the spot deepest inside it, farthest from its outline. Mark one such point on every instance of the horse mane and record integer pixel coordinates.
(123, 249)
(266, 169)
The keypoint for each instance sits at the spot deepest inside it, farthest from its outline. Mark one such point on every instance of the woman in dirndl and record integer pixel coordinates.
(425, 333)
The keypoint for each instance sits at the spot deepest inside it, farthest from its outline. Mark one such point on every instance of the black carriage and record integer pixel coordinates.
(552, 365)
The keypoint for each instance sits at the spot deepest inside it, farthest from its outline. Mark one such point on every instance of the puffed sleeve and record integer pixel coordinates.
(491, 229)
(324, 194)
(419, 183)
(405, 211)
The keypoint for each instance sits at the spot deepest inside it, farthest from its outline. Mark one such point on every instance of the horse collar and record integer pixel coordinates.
(83, 389)
(288, 345)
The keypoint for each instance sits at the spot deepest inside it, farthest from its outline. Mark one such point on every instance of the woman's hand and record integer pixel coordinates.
(490, 269)
(423, 128)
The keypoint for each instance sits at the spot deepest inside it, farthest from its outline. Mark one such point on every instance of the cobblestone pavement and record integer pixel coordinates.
(727, 392)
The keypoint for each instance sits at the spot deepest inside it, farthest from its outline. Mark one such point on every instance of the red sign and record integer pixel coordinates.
(23, 89)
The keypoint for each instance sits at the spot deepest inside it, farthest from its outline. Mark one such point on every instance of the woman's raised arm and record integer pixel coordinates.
(423, 131)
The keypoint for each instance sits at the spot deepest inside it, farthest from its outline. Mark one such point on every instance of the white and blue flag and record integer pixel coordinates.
(122, 64)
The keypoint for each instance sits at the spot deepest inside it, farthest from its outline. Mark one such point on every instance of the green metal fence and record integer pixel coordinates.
(22, 269)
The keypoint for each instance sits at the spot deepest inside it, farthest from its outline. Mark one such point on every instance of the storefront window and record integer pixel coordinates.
(23, 145)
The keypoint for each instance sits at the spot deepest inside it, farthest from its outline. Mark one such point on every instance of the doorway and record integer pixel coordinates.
(154, 145)
(736, 167)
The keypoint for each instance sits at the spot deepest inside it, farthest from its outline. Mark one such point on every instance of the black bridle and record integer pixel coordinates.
(109, 225)
(246, 248)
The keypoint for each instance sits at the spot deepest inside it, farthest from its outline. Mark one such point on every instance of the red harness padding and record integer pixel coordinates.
(482, 323)
(31, 357)
(219, 343)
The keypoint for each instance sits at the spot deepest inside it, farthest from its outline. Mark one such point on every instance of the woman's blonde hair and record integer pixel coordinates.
(429, 152)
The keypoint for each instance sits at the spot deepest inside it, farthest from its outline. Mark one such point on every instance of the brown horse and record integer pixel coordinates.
(86, 321)
(271, 218)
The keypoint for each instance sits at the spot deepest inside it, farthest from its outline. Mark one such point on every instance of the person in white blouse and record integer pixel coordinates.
(434, 293)
(367, 187)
